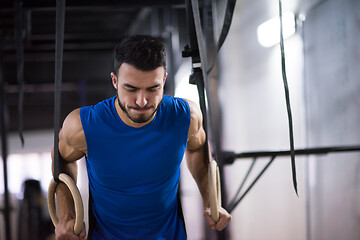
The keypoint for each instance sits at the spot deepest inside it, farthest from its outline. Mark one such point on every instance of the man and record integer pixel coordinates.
(134, 143)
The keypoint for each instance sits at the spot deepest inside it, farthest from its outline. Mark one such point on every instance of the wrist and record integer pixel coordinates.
(63, 218)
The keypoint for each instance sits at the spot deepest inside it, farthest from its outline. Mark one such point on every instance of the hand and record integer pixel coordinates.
(65, 231)
(224, 219)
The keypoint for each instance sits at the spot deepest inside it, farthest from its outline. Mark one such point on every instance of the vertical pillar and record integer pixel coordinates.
(4, 153)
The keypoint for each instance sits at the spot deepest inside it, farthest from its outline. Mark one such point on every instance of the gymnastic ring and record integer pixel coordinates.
(79, 208)
(214, 190)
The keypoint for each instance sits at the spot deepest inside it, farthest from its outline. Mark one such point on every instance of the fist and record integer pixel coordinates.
(65, 231)
(224, 219)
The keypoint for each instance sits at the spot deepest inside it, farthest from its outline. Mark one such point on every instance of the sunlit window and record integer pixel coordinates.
(21, 167)
(269, 32)
(183, 88)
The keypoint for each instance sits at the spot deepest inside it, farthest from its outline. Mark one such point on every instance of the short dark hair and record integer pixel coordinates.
(144, 52)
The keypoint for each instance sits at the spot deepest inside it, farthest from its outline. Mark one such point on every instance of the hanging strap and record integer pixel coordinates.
(287, 98)
(199, 77)
(59, 175)
(6, 209)
(229, 12)
(59, 46)
(20, 64)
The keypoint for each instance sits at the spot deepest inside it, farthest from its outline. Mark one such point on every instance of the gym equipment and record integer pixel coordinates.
(59, 175)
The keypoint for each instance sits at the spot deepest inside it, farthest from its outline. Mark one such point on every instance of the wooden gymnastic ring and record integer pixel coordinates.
(79, 208)
(214, 190)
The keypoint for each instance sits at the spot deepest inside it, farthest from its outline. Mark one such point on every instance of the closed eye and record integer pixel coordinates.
(154, 88)
(130, 88)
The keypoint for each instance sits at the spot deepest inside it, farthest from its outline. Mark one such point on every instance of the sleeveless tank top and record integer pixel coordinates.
(134, 172)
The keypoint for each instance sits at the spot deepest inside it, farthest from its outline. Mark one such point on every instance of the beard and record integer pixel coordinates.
(142, 118)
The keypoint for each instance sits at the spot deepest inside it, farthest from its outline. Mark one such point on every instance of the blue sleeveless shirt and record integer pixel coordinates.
(134, 172)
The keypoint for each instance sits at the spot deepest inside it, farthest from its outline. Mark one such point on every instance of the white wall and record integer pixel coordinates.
(255, 118)
(332, 50)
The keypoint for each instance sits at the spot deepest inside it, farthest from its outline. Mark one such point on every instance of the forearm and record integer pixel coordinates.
(64, 198)
(197, 164)
(198, 161)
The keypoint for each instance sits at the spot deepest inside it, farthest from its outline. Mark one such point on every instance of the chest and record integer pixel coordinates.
(120, 160)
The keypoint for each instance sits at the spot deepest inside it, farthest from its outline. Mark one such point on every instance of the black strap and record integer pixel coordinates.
(229, 12)
(203, 83)
(19, 13)
(287, 98)
(59, 46)
(197, 52)
(6, 210)
(197, 75)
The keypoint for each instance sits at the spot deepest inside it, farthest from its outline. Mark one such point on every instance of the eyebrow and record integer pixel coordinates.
(131, 86)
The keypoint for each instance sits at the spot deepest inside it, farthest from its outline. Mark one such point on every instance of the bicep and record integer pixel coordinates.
(68, 152)
(196, 140)
(72, 143)
(196, 134)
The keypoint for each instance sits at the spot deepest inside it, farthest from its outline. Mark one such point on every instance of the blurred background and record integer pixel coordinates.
(322, 53)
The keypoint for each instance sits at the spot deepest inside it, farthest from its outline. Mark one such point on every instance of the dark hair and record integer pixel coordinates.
(144, 52)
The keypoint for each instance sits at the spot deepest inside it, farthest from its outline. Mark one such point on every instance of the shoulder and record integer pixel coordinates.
(195, 113)
(185, 105)
(175, 108)
(72, 130)
(72, 121)
(176, 102)
(102, 109)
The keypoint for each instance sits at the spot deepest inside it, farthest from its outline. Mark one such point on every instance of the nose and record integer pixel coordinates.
(141, 100)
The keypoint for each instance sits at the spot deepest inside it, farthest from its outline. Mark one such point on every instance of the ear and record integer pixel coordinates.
(114, 80)
(165, 76)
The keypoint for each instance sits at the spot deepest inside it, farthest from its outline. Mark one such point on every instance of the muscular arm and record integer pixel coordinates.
(72, 147)
(197, 161)
(195, 153)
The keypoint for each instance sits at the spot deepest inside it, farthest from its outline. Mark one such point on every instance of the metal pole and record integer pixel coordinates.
(230, 157)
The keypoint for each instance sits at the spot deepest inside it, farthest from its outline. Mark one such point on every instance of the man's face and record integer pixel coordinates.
(139, 92)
